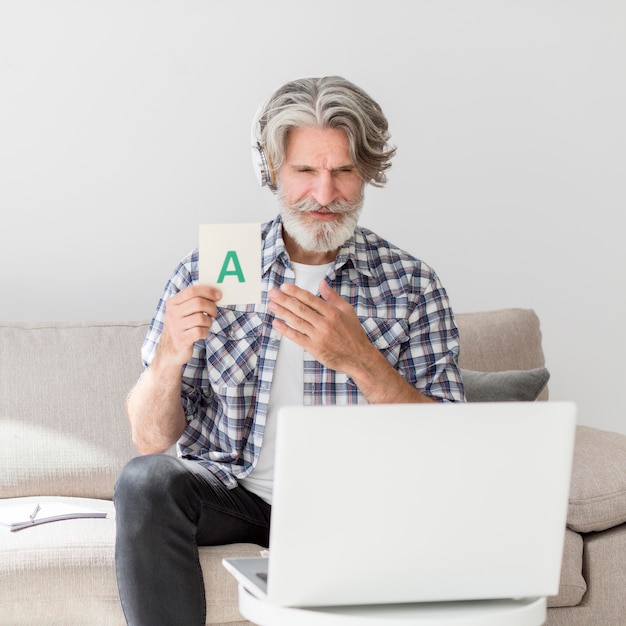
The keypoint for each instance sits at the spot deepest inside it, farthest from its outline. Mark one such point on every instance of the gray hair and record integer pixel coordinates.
(329, 102)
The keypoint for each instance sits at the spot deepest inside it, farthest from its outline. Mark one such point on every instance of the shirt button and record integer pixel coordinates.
(275, 336)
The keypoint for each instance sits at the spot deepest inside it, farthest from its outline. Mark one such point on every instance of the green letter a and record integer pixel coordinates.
(231, 255)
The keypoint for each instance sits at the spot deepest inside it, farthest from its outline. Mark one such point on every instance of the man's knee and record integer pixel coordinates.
(146, 478)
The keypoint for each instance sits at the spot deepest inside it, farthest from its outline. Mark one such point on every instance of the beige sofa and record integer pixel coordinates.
(64, 434)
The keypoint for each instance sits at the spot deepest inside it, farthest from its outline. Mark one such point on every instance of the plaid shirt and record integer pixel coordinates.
(226, 385)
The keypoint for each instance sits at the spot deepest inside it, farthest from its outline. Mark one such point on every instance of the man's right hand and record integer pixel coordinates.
(154, 406)
(188, 317)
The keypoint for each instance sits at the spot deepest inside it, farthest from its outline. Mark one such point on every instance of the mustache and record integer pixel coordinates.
(306, 205)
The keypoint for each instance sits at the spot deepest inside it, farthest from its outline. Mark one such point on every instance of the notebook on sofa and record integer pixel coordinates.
(378, 504)
(28, 514)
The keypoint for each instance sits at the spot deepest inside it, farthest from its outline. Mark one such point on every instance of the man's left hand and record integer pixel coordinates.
(327, 327)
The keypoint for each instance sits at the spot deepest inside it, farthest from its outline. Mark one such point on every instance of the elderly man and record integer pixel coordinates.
(345, 317)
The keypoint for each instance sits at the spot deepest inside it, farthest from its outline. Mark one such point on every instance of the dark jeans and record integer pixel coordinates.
(165, 508)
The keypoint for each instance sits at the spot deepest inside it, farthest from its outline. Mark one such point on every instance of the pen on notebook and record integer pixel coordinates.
(33, 515)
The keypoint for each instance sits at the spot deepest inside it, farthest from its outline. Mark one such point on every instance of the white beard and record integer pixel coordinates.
(316, 235)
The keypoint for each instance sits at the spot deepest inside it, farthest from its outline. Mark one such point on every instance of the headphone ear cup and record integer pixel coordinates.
(263, 166)
(261, 162)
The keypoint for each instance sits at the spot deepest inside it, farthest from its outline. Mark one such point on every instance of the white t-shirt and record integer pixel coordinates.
(287, 389)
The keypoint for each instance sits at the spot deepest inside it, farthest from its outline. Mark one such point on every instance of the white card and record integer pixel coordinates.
(230, 259)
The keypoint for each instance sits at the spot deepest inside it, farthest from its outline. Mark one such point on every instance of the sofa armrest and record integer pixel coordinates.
(597, 498)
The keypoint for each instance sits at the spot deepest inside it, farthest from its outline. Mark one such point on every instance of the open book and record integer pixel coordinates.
(26, 515)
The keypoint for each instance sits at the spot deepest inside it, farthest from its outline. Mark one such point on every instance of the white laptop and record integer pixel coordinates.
(381, 504)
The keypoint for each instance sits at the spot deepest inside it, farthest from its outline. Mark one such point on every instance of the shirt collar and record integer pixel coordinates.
(274, 246)
(355, 250)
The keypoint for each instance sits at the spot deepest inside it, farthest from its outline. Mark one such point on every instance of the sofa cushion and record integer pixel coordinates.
(62, 419)
(60, 572)
(572, 585)
(64, 572)
(506, 339)
(597, 498)
(507, 386)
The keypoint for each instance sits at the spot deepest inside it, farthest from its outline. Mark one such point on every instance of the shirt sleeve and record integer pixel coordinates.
(194, 383)
(430, 360)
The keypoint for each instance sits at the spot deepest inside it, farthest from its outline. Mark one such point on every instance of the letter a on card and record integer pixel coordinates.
(230, 259)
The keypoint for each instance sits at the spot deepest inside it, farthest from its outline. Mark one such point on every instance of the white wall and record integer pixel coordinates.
(124, 124)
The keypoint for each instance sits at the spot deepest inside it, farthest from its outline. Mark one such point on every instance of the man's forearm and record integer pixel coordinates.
(155, 411)
(380, 383)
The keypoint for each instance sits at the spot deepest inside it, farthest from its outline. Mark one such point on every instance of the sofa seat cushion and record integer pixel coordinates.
(220, 587)
(572, 585)
(68, 563)
(597, 499)
(71, 566)
(603, 602)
